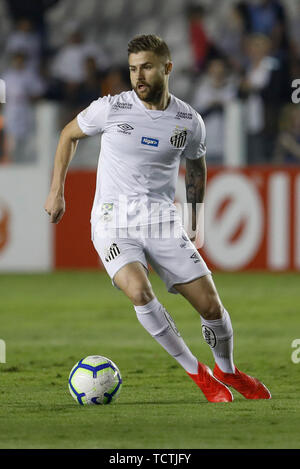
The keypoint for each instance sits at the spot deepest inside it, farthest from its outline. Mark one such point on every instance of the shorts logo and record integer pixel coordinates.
(125, 128)
(195, 256)
(153, 142)
(178, 138)
(107, 212)
(112, 253)
(209, 336)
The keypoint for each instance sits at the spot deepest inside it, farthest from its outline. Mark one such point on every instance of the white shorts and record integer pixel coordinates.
(174, 258)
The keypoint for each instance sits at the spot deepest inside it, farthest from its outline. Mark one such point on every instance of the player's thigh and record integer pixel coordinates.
(175, 259)
(133, 280)
(203, 296)
(126, 264)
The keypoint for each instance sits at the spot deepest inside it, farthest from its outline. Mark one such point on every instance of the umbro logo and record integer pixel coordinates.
(195, 256)
(125, 128)
(112, 253)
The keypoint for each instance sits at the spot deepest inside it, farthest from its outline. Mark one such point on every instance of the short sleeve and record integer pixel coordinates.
(92, 119)
(196, 147)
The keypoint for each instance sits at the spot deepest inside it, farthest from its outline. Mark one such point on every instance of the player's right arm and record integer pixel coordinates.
(68, 140)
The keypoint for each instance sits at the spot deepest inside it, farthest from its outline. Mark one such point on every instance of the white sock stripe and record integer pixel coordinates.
(149, 307)
(162, 332)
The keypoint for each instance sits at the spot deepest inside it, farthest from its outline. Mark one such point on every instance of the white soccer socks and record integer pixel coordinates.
(157, 321)
(218, 334)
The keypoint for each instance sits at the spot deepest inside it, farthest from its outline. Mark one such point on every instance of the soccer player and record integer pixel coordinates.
(145, 133)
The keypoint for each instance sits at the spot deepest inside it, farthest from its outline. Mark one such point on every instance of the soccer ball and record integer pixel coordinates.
(95, 380)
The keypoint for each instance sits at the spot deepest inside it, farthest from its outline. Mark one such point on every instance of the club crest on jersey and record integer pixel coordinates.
(178, 138)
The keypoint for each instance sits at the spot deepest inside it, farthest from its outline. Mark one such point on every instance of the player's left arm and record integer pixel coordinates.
(195, 182)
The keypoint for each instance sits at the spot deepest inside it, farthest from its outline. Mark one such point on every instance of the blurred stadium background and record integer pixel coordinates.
(235, 62)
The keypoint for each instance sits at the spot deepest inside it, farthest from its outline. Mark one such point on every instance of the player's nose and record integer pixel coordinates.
(140, 74)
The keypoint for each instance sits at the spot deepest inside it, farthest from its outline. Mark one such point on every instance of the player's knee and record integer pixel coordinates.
(212, 308)
(140, 296)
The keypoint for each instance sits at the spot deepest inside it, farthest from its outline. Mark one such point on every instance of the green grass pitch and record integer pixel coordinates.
(50, 321)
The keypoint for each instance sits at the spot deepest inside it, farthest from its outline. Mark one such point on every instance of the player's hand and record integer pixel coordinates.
(55, 207)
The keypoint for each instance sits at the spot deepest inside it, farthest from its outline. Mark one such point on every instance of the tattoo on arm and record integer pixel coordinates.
(195, 182)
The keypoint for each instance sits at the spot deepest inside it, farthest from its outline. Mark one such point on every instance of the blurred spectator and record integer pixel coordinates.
(75, 74)
(116, 80)
(263, 88)
(34, 11)
(76, 97)
(199, 41)
(230, 36)
(294, 32)
(216, 89)
(90, 88)
(68, 64)
(80, 72)
(287, 149)
(267, 17)
(24, 38)
(23, 87)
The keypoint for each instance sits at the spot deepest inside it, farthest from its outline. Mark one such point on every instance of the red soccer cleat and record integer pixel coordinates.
(249, 387)
(213, 390)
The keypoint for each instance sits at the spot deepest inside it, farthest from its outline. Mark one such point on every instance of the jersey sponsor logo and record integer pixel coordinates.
(125, 128)
(112, 253)
(178, 138)
(209, 336)
(121, 106)
(184, 115)
(153, 142)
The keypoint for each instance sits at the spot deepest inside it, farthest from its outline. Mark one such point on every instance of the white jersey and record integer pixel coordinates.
(140, 156)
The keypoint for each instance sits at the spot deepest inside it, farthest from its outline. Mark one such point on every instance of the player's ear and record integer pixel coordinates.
(168, 68)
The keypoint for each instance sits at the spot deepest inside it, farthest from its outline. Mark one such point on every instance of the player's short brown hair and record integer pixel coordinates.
(149, 42)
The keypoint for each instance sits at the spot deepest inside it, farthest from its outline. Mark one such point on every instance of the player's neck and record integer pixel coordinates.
(161, 104)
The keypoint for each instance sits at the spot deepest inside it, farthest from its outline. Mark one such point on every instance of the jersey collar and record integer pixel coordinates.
(154, 114)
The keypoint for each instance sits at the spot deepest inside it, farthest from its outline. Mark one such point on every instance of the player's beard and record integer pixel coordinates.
(152, 94)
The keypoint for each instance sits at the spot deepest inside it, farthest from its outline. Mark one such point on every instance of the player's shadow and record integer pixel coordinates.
(162, 403)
